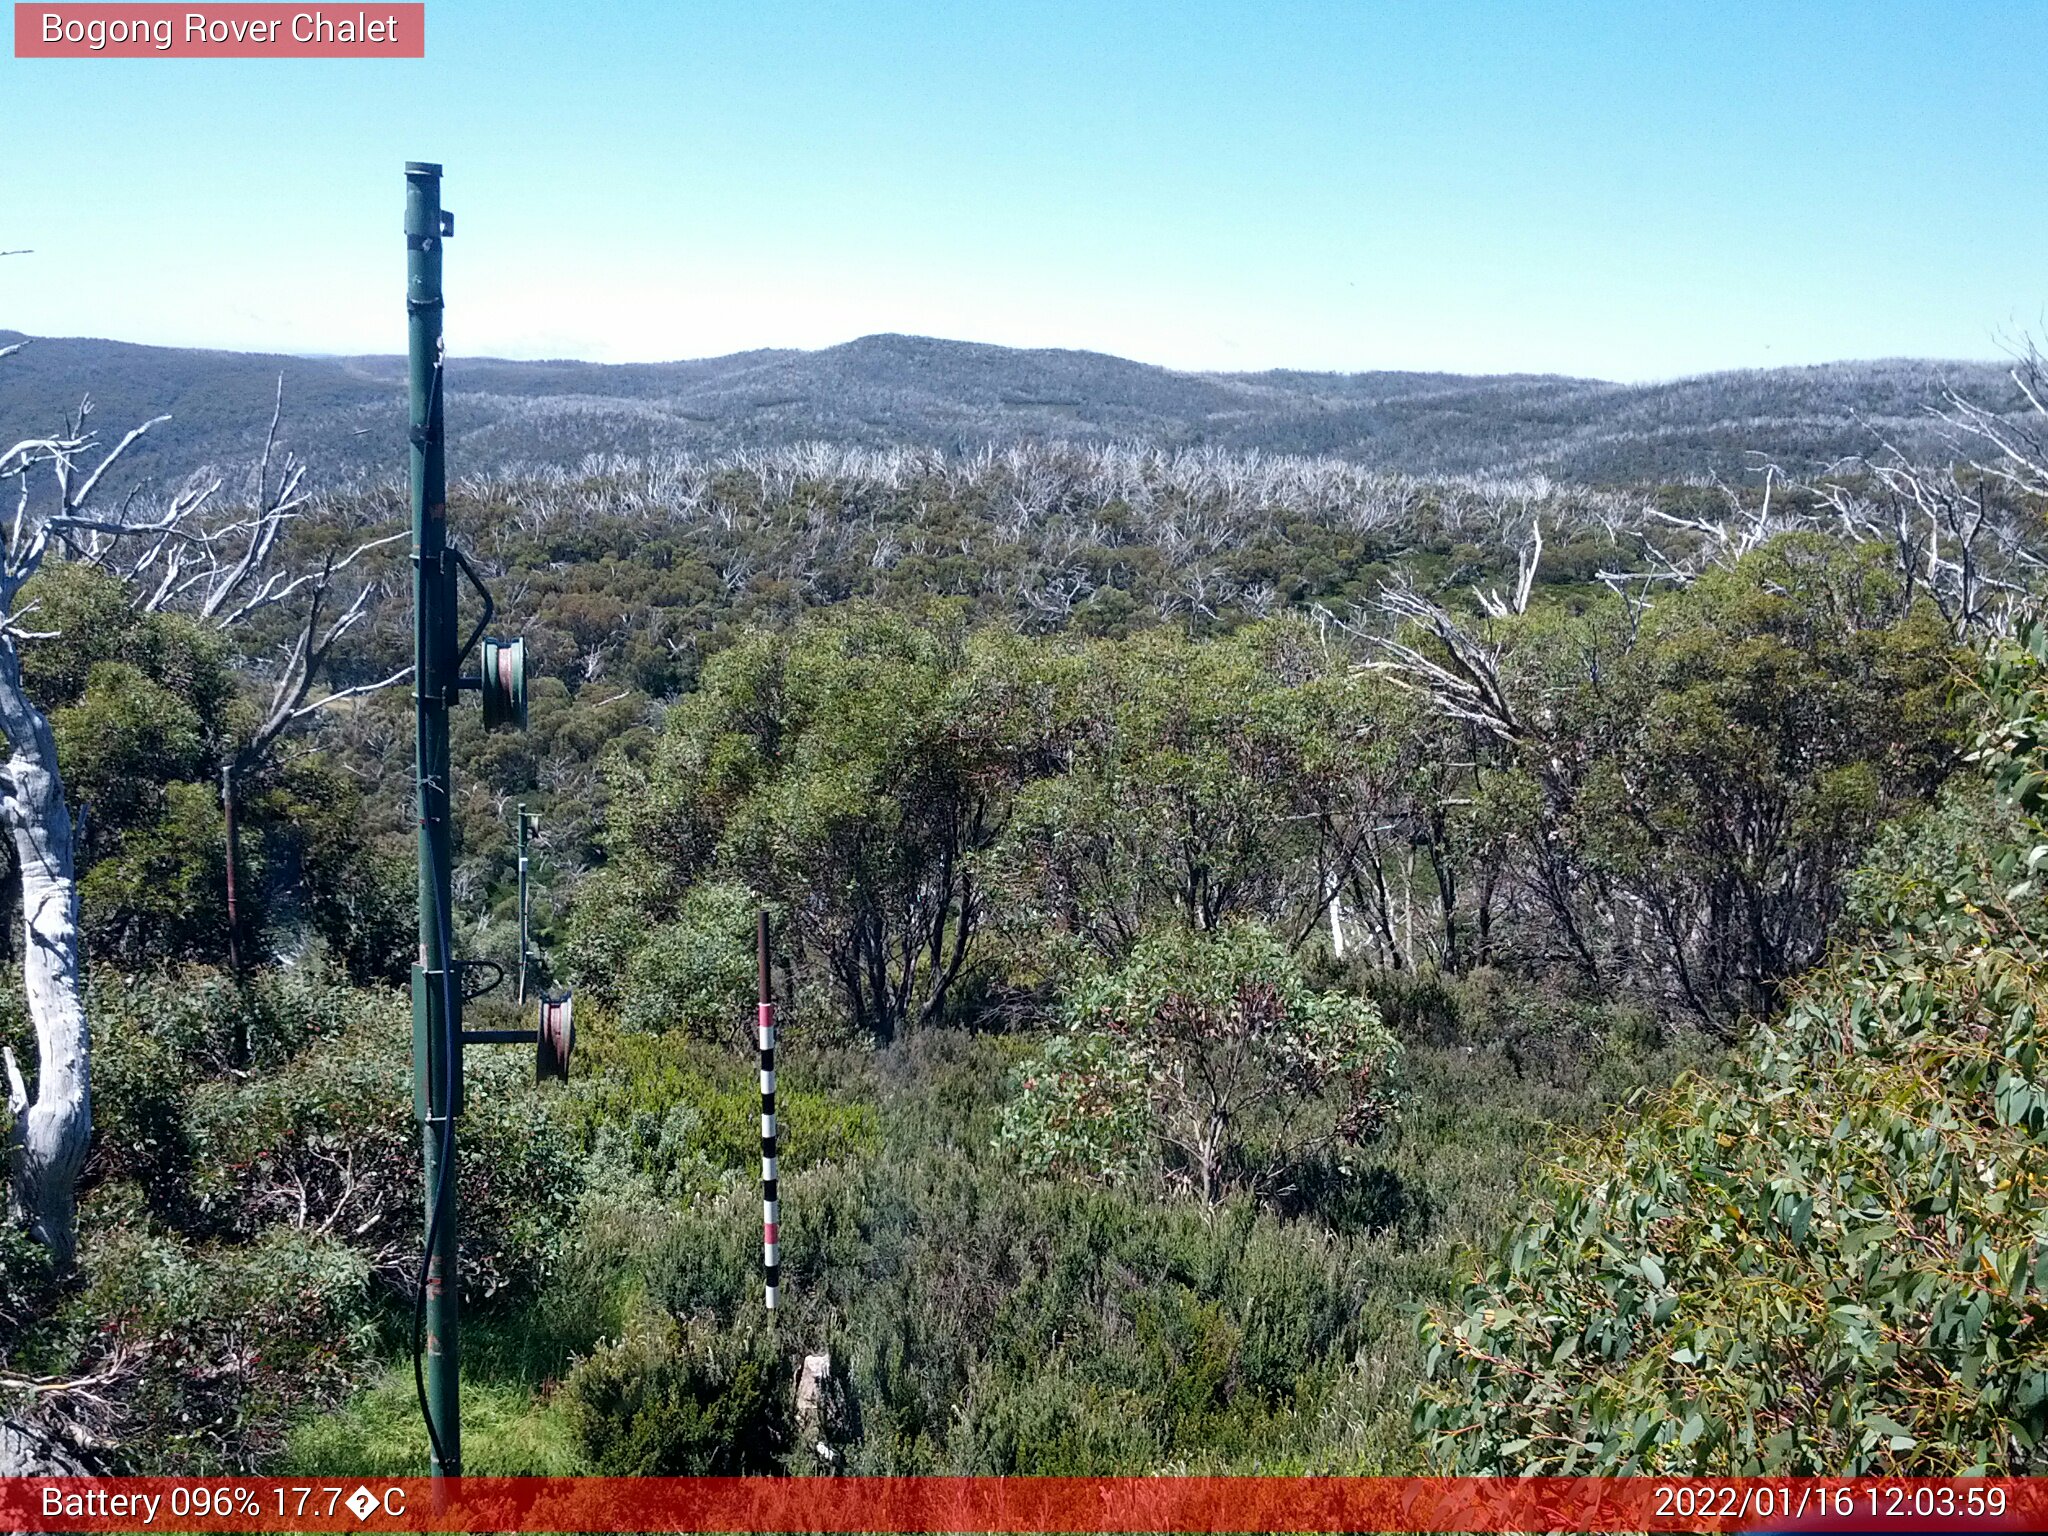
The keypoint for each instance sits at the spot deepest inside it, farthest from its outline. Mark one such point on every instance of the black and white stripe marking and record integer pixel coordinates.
(769, 1257)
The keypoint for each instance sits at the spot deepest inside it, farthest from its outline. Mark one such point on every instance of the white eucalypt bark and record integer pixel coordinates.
(175, 555)
(50, 1131)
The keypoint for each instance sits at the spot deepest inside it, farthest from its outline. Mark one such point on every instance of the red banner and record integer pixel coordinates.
(1019, 1504)
(234, 31)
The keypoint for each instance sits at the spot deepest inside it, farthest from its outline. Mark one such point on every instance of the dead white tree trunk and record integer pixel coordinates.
(49, 1133)
(49, 1130)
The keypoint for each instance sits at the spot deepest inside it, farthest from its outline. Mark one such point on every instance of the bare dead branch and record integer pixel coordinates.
(357, 691)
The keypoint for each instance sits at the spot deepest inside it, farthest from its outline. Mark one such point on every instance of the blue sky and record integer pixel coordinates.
(1632, 191)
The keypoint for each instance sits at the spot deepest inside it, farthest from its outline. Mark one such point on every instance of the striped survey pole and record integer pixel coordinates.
(766, 1029)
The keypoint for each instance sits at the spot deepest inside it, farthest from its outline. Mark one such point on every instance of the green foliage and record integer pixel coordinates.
(827, 769)
(160, 1043)
(983, 1323)
(669, 1401)
(145, 707)
(1827, 1261)
(1081, 1110)
(100, 631)
(1215, 1047)
(28, 1284)
(958, 823)
(948, 820)
(1529, 1027)
(686, 1117)
(1065, 1309)
(326, 878)
(208, 1348)
(162, 890)
(1718, 768)
(1058, 1425)
(1177, 781)
(125, 738)
(250, 1227)
(335, 1136)
(698, 972)
(1920, 865)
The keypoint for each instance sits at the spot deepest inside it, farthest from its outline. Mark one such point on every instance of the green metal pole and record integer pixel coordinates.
(437, 1022)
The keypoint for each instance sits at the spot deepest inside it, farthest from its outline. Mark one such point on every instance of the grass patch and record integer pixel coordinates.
(508, 1430)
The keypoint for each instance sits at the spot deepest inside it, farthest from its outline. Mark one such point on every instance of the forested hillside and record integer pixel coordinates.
(1210, 889)
(919, 392)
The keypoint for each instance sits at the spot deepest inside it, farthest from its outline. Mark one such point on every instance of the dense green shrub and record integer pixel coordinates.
(1051, 1424)
(669, 1401)
(985, 1324)
(320, 1135)
(331, 1143)
(203, 1016)
(159, 1038)
(1082, 1110)
(1214, 1048)
(28, 1284)
(697, 973)
(951, 817)
(1418, 1006)
(205, 1351)
(1549, 1025)
(331, 880)
(914, 791)
(685, 1115)
(252, 1232)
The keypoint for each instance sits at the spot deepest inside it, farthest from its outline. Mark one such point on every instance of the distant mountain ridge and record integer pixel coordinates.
(346, 414)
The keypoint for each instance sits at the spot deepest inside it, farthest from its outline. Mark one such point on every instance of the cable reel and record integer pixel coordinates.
(555, 1038)
(502, 682)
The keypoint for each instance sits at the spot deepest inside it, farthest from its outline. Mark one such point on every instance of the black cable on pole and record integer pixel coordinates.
(450, 1045)
(435, 1216)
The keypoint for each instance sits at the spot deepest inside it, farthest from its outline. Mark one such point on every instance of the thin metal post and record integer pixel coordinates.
(522, 903)
(437, 999)
(765, 1017)
(227, 811)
